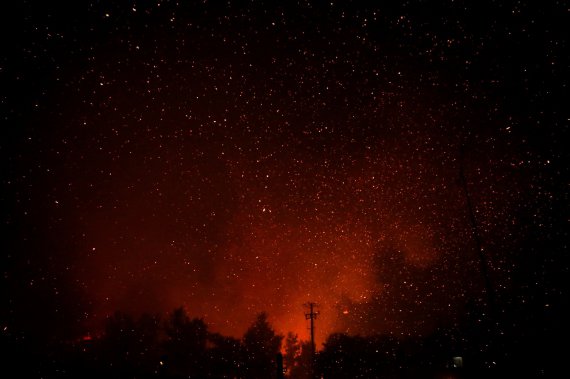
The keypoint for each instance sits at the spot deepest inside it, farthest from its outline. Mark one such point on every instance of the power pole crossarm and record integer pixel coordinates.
(312, 315)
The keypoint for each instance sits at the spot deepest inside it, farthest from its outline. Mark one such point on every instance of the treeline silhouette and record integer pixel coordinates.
(150, 346)
(178, 346)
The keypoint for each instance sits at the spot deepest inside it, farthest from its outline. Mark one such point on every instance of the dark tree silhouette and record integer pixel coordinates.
(292, 351)
(148, 329)
(118, 341)
(297, 357)
(341, 357)
(129, 346)
(225, 356)
(185, 345)
(261, 345)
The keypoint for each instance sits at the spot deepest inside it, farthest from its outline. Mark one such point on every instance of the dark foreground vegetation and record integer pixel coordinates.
(178, 346)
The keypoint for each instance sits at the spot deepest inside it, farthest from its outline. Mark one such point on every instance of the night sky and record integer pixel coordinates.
(238, 158)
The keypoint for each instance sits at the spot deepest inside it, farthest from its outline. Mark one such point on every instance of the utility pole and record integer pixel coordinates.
(312, 315)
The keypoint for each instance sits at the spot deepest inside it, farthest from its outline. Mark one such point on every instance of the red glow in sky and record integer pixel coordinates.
(252, 235)
(234, 161)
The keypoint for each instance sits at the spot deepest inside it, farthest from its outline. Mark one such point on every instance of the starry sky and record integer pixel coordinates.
(234, 158)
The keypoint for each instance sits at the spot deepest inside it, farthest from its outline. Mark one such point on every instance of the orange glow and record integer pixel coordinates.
(333, 251)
